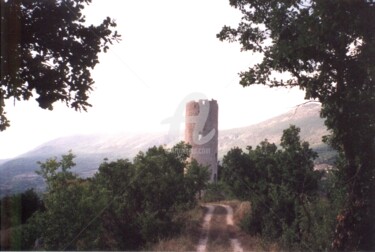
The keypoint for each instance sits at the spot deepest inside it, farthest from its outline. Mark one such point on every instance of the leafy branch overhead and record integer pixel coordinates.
(311, 40)
(47, 51)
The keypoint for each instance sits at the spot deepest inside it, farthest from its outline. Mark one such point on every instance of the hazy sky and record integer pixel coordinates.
(168, 50)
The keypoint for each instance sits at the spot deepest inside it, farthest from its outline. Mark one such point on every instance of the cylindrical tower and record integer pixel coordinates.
(201, 132)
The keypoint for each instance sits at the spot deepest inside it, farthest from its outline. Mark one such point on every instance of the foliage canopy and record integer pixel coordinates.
(47, 50)
(281, 186)
(123, 207)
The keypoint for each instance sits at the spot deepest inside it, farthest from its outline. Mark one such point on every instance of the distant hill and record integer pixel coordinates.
(306, 117)
(2, 161)
(18, 174)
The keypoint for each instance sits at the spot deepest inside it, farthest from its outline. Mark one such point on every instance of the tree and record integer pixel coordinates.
(114, 183)
(237, 172)
(280, 185)
(297, 162)
(298, 179)
(16, 209)
(158, 171)
(161, 189)
(48, 50)
(144, 196)
(70, 208)
(30, 203)
(266, 162)
(197, 177)
(328, 49)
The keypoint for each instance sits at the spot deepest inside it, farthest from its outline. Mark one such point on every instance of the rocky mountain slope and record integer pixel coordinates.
(306, 117)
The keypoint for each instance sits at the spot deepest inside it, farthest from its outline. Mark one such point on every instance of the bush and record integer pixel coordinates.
(126, 204)
(282, 186)
(214, 192)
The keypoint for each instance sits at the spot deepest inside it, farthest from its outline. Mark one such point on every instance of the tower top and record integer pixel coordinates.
(204, 100)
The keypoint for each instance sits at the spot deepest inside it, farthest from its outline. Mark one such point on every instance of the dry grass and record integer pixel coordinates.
(249, 243)
(188, 239)
(241, 211)
(182, 243)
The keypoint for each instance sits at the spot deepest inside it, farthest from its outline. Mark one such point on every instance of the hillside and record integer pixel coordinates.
(306, 117)
(18, 174)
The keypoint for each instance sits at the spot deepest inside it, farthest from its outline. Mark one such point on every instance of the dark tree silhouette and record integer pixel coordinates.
(328, 50)
(47, 51)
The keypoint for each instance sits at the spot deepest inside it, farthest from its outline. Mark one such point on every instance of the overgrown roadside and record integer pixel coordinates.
(189, 236)
(241, 209)
(220, 234)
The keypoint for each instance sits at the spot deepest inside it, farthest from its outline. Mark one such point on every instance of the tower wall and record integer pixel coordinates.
(201, 132)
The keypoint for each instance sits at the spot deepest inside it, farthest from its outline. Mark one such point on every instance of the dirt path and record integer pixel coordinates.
(218, 232)
(236, 245)
(202, 244)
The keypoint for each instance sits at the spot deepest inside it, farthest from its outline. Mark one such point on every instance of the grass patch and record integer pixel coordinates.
(188, 237)
(242, 209)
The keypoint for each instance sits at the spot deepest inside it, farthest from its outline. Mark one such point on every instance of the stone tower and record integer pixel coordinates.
(201, 132)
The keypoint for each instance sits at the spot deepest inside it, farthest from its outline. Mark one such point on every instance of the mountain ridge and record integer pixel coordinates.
(18, 173)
